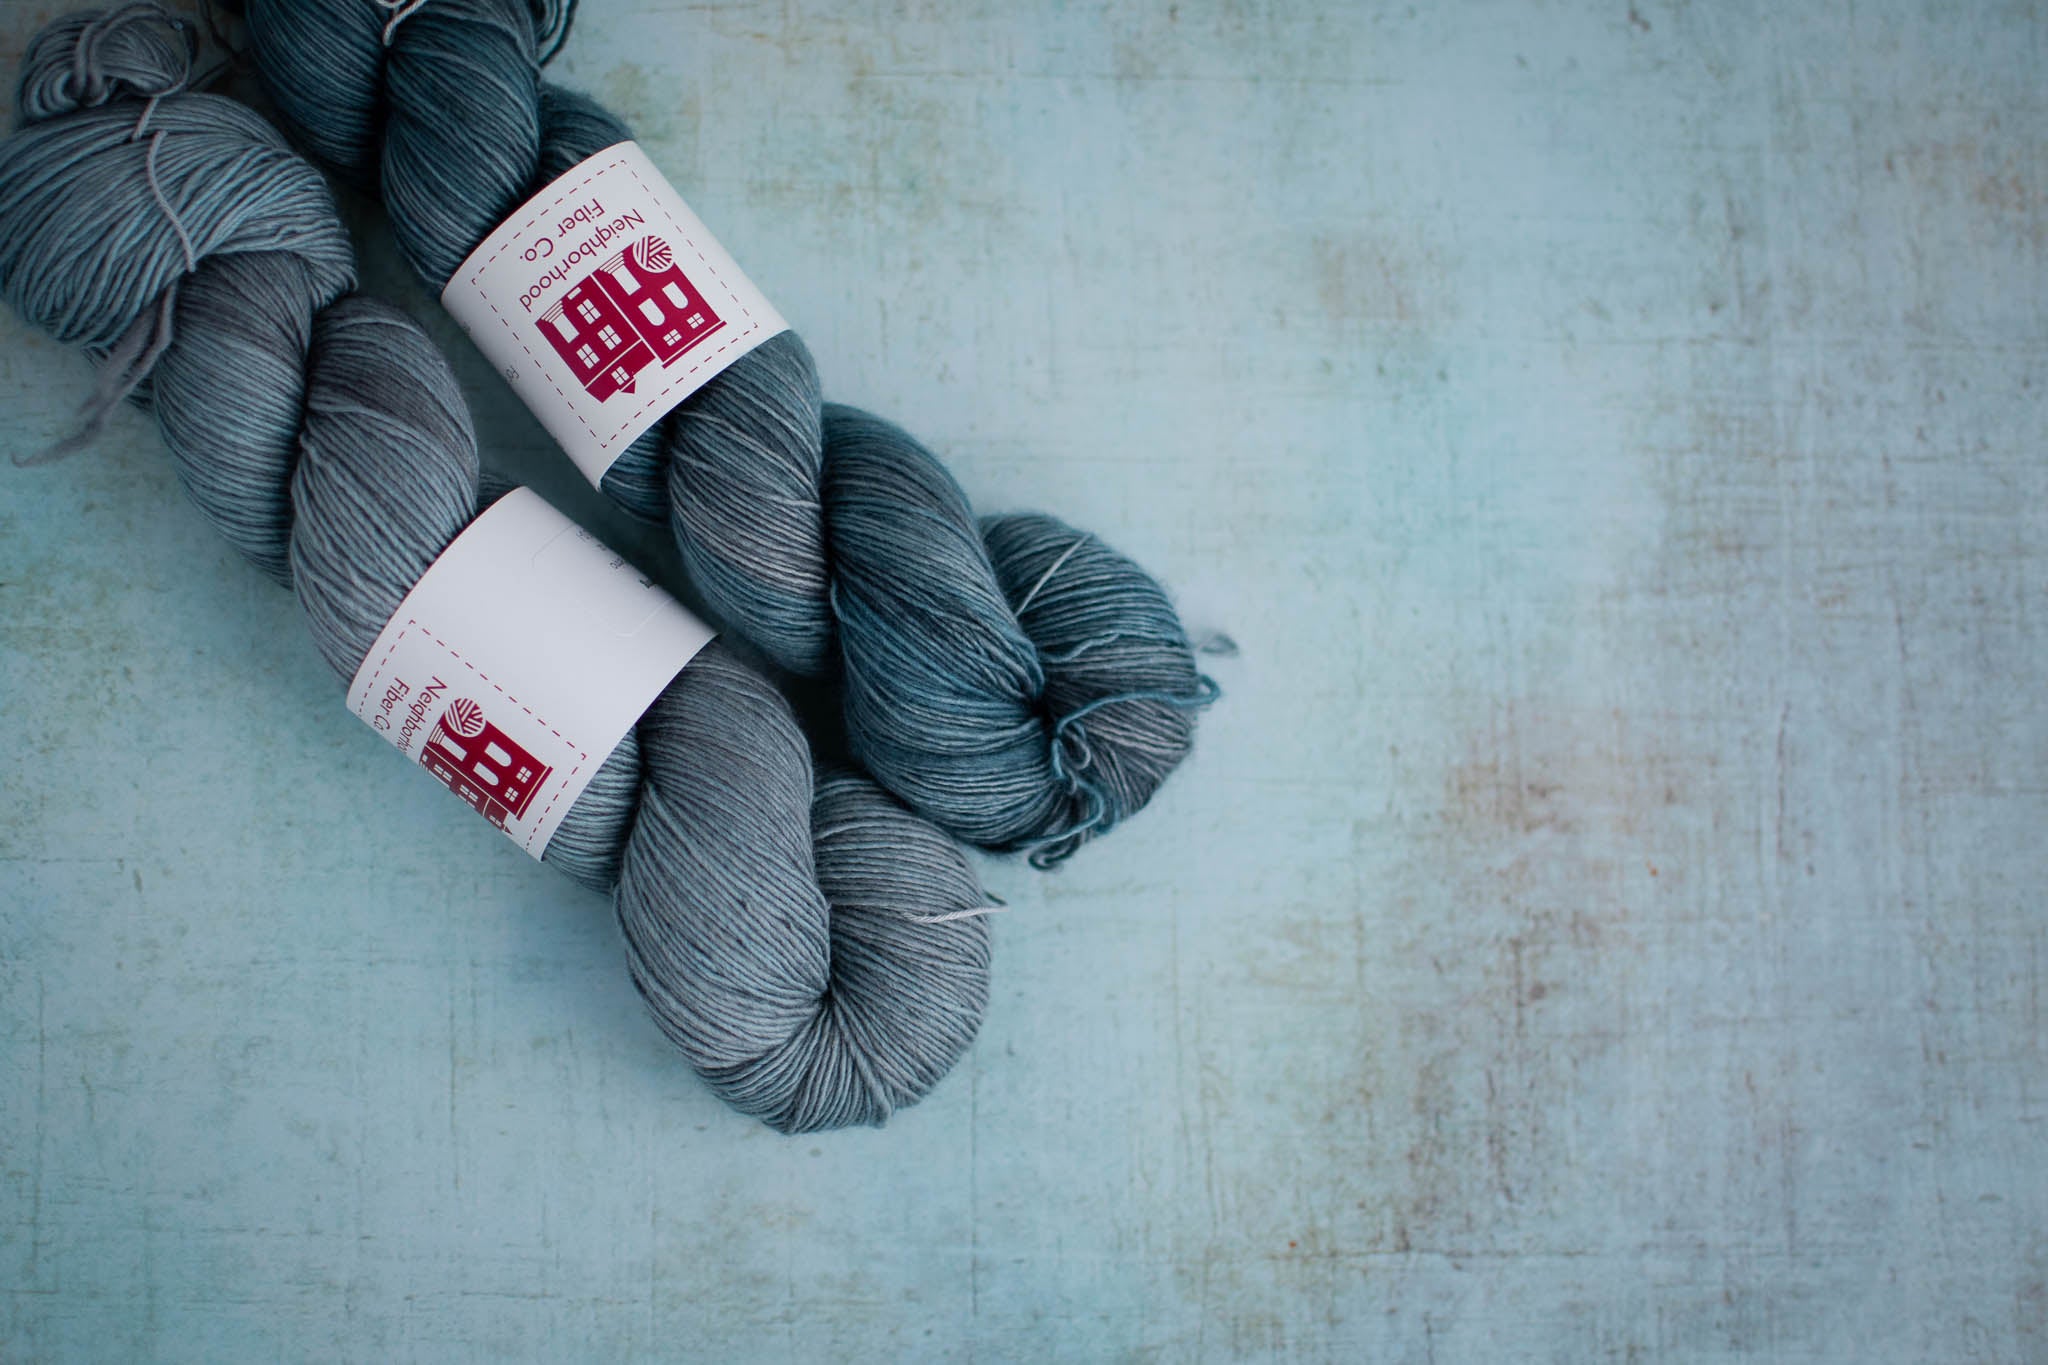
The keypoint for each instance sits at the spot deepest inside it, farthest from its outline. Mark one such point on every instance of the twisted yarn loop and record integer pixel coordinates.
(1012, 715)
(802, 941)
(86, 60)
(401, 10)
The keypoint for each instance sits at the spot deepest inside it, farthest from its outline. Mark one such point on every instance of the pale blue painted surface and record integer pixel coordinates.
(1603, 921)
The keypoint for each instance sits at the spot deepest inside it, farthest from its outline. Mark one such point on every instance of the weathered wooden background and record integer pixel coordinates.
(1603, 921)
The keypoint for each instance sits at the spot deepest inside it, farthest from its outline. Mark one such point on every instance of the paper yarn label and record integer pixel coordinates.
(605, 302)
(519, 661)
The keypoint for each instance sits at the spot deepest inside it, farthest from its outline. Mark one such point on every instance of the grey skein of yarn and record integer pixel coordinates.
(790, 937)
(1011, 678)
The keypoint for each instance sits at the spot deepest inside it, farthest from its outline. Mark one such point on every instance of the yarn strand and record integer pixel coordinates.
(401, 10)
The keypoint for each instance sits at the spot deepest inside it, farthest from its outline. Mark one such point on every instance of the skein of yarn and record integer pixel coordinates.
(1011, 678)
(801, 942)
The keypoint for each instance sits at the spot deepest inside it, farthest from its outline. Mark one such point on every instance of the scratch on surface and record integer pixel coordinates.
(454, 1150)
(1364, 279)
(1778, 750)
(35, 1214)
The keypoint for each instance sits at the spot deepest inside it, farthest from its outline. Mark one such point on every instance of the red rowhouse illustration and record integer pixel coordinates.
(635, 310)
(482, 764)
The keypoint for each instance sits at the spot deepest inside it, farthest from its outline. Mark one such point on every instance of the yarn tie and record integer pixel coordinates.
(401, 10)
(551, 20)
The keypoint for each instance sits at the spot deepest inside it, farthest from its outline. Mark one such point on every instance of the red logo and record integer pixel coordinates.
(635, 310)
(482, 764)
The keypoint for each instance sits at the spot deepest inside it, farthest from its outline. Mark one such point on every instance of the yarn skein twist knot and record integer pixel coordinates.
(802, 942)
(1011, 678)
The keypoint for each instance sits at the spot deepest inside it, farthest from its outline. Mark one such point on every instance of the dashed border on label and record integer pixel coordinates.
(359, 702)
(639, 419)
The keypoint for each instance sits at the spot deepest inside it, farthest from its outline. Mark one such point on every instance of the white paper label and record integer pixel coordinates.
(604, 302)
(518, 662)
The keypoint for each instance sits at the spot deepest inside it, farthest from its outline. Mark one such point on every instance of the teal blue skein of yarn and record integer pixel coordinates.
(812, 947)
(1011, 678)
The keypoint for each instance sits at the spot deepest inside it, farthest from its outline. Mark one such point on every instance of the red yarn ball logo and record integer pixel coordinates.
(464, 717)
(482, 764)
(654, 255)
(635, 310)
